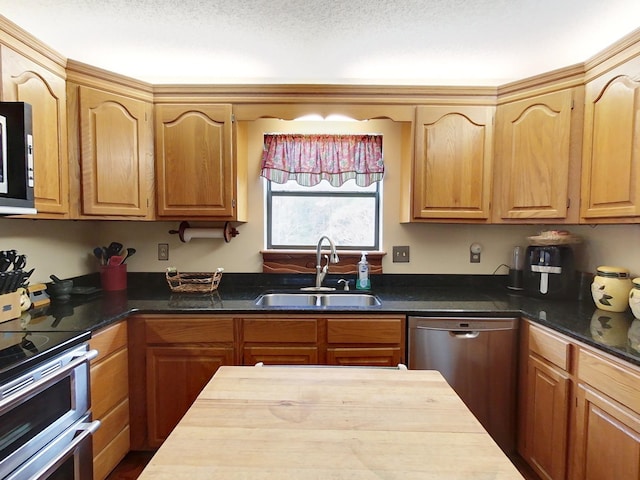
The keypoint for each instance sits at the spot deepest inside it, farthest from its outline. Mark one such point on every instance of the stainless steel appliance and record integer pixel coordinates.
(549, 271)
(16, 159)
(477, 357)
(45, 428)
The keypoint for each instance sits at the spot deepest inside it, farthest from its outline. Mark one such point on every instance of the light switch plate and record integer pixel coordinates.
(401, 254)
(163, 251)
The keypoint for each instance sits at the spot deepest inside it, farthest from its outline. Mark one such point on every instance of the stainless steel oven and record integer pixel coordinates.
(45, 427)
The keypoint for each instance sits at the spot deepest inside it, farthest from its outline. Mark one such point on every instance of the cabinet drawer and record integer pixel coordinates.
(617, 381)
(108, 459)
(550, 347)
(109, 383)
(385, 331)
(189, 330)
(111, 424)
(281, 331)
(280, 355)
(108, 340)
(370, 357)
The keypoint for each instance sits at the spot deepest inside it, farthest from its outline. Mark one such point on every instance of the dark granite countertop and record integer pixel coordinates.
(421, 295)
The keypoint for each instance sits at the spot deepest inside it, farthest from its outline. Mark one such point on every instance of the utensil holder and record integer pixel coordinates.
(113, 277)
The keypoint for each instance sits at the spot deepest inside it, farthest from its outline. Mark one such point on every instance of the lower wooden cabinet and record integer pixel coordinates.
(607, 438)
(579, 410)
(173, 357)
(607, 433)
(366, 342)
(547, 418)
(181, 357)
(328, 340)
(280, 341)
(175, 377)
(110, 398)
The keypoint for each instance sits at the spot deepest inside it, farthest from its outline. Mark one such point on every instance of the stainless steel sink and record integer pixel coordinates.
(287, 300)
(348, 300)
(317, 300)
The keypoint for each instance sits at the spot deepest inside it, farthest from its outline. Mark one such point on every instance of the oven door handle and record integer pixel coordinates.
(30, 385)
(86, 430)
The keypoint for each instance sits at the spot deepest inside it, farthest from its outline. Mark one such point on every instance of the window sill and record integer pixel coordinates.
(304, 261)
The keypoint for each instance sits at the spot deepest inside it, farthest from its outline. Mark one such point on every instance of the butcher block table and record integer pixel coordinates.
(323, 423)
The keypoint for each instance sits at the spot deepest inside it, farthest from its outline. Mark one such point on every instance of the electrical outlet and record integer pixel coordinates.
(401, 254)
(474, 252)
(163, 251)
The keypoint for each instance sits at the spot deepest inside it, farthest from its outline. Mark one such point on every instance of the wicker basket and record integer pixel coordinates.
(198, 282)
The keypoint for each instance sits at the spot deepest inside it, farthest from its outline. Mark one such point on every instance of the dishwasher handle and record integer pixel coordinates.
(464, 335)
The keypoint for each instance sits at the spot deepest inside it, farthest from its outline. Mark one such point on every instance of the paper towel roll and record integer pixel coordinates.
(186, 232)
(190, 233)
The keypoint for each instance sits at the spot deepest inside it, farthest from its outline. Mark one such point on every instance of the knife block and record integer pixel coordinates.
(10, 306)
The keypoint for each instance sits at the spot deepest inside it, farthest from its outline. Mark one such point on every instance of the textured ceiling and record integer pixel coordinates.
(401, 42)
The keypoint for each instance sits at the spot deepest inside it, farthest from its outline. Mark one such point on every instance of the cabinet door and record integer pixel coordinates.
(194, 164)
(547, 419)
(607, 438)
(611, 157)
(175, 377)
(533, 157)
(26, 81)
(116, 165)
(453, 162)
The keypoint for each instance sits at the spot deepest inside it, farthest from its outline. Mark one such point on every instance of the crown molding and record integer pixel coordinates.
(560, 79)
(90, 76)
(331, 94)
(18, 39)
(623, 50)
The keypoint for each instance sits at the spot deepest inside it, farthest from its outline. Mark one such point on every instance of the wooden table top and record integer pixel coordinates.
(325, 423)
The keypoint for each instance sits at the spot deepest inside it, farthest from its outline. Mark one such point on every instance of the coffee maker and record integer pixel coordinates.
(549, 271)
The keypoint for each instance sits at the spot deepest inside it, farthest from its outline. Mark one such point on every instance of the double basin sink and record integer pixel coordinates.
(317, 299)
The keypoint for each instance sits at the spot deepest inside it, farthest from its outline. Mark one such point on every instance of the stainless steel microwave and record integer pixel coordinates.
(16, 159)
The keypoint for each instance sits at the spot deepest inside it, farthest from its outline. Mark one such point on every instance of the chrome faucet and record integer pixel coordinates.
(321, 271)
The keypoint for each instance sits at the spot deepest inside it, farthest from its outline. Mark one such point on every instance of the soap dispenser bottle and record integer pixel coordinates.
(363, 282)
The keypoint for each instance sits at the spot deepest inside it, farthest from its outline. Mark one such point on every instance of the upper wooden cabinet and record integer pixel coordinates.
(611, 156)
(453, 163)
(24, 80)
(195, 169)
(538, 158)
(111, 141)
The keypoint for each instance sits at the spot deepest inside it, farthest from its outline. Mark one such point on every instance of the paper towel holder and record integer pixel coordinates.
(227, 232)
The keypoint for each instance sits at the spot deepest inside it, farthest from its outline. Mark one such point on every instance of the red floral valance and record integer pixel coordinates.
(309, 159)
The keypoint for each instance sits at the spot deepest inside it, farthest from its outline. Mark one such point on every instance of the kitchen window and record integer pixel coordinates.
(297, 216)
(323, 185)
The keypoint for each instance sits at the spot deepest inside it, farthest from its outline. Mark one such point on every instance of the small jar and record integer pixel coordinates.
(634, 297)
(610, 288)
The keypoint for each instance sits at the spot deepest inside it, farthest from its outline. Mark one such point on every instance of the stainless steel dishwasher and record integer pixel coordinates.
(478, 357)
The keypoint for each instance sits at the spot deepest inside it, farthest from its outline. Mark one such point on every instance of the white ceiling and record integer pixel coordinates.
(393, 42)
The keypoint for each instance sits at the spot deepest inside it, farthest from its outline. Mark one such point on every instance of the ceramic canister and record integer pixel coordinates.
(610, 288)
(634, 297)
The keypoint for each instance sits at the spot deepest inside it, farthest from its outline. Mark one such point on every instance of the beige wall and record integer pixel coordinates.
(65, 247)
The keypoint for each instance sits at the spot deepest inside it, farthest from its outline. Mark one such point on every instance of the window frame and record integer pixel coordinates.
(376, 195)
